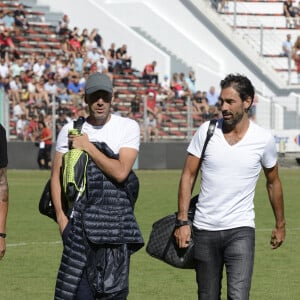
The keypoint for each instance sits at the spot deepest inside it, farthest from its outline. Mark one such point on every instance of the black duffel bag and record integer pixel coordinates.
(162, 244)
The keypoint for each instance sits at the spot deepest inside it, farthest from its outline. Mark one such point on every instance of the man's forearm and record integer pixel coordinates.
(276, 199)
(3, 200)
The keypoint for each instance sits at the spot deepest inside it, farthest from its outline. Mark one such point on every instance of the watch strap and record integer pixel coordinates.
(179, 223)
(2, 235)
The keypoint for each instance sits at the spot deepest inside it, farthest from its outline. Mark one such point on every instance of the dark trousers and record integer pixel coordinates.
(44, 157)
(233, 248)
(85, 292)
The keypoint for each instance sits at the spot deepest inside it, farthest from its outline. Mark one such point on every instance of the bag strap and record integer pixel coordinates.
(210, 132)
(77, 124)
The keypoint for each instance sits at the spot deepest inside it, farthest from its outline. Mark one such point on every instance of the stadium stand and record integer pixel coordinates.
(41, 41)
(263, 24)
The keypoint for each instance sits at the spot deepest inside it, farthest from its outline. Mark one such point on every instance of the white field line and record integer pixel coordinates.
(60, 242)
(33, 243)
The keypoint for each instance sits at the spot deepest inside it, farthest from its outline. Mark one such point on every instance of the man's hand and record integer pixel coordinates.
(2, 247)
(62, 221)
(183, 236)
(277, 237)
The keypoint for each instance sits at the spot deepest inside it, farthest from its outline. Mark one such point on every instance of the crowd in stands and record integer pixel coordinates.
(291, 13)
(32, 81)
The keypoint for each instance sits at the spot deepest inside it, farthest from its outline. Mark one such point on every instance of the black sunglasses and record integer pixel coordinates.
(105, 96)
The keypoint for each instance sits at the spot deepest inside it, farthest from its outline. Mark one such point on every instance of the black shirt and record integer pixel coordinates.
(3, 148)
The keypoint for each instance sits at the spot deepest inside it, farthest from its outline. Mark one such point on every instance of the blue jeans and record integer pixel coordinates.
(233, 248)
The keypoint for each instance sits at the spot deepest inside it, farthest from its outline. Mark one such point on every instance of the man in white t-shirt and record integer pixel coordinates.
(122, 136)
(223, 226)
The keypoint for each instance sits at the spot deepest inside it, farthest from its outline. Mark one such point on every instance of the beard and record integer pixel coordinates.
(230, 120)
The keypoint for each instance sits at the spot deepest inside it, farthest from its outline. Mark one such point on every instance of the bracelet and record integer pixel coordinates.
(2, 235)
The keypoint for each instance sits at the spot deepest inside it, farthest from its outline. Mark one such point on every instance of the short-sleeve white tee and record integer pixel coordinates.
(229, 174)
(117, 133)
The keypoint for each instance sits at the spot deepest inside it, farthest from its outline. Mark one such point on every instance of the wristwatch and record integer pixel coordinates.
(179, 223)
(2, 235)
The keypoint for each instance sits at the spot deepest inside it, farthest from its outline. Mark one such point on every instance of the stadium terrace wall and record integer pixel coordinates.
(23, 156)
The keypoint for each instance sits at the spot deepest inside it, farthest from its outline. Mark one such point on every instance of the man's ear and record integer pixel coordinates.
(247, 103)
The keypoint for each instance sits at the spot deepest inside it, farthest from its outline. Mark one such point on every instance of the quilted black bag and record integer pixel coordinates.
(45, 204)
(162, 244)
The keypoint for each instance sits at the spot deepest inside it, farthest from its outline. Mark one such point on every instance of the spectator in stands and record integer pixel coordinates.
(154, 107)
(98, 39)
(186, 88)
(297, 63)
(32, 128)
(61, 121)
(297, 14)
(200, 103)
(222, 5)
(190, 81)
(63, 25)
(83, 36)
(62, 95)
(289, 13)
(75, 90)
(40, 93)
(4, 70)
(6, 43)
(149, 73)
(134, 111)
(176, 86)
(2, 22)
(63, 71)
(19, 109)
(16, 88)
(161, 98)
(90, 43)
(102, 65)
(9, 21)
(21, 128)
(20, 17)
(151, 127)
(287, 46)
(112, 58)
(16, 67)
(93, 55)
(115, 110)
(31, 89)
(45, 145)
(75, 45)
(212, 96)
(65, 47)
(122, 55)
(51, 87)
(79, 63)
(39, 67)
(165, 85)
(296, 46)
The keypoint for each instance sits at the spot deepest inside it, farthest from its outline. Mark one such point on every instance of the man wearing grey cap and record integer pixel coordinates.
(100, 232)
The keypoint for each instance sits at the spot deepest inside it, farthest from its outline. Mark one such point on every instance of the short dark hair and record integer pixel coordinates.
(241, 84)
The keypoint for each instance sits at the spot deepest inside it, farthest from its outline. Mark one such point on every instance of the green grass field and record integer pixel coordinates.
(28, 271)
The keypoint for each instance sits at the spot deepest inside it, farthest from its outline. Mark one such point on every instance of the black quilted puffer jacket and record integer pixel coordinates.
(108, 214)
(103, 215)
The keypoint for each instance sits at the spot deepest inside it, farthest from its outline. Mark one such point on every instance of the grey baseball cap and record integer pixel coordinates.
(98, 82)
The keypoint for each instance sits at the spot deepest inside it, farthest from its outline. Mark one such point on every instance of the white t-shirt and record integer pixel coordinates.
(229, 175)
(117, 133)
